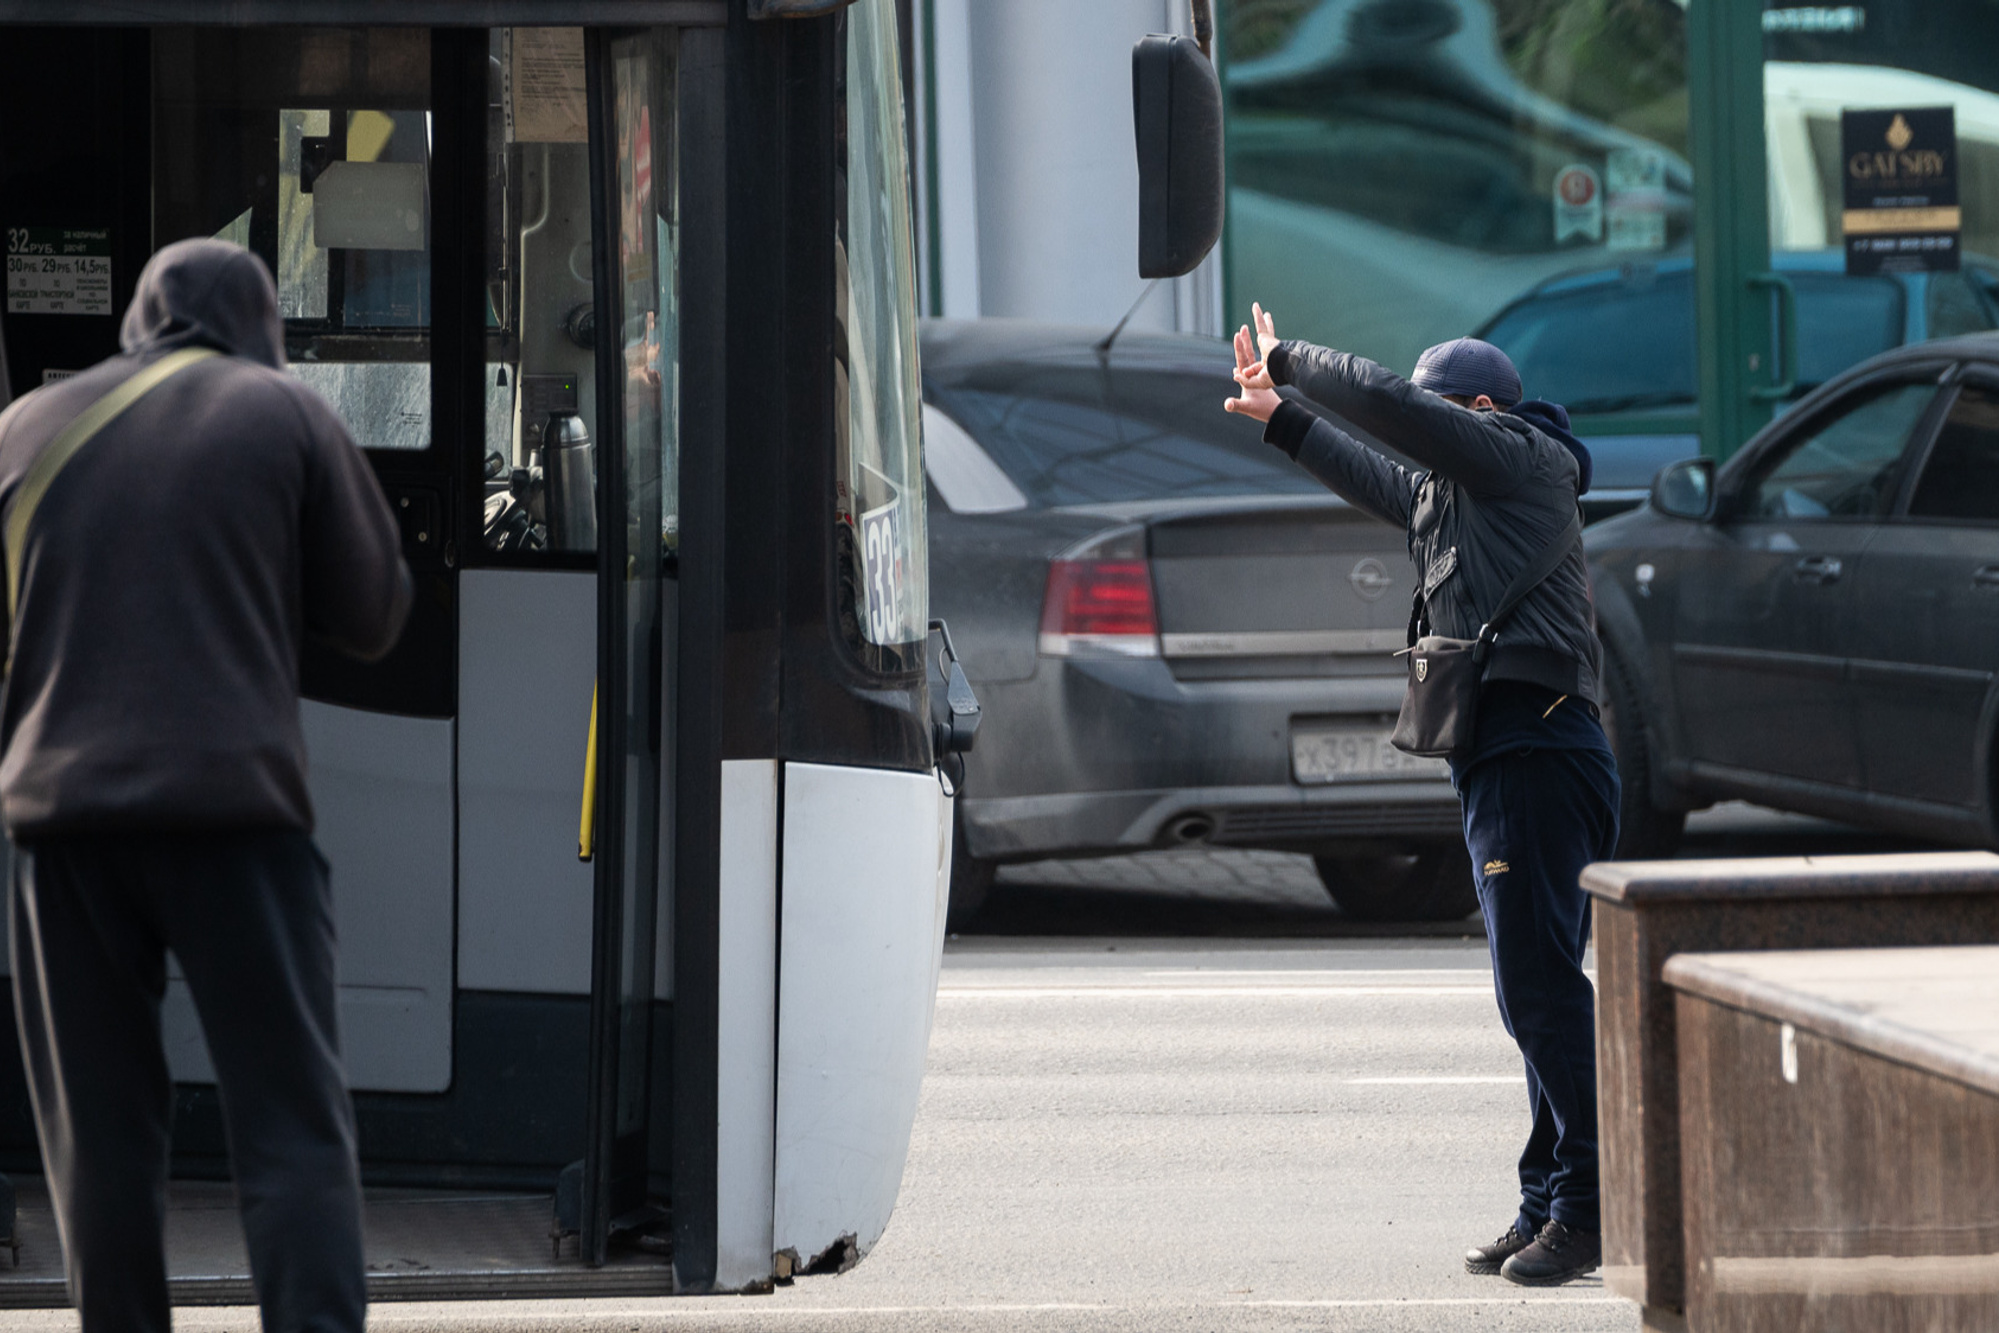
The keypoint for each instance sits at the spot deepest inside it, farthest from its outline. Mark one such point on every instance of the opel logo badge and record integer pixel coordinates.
(1370, 579)
(1422, 668)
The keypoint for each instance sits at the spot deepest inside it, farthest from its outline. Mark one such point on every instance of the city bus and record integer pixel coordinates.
(618, 297)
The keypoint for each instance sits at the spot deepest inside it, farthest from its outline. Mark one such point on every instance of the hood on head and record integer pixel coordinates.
(1553, 419)
(206, 293)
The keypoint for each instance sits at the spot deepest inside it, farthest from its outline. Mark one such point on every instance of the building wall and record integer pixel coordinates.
(1027, 174)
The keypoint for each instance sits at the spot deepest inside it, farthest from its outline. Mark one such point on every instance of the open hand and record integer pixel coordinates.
(1266, 331)
(1257, 395)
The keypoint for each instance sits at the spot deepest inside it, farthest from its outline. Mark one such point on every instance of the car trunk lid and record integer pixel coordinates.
(1279, 590)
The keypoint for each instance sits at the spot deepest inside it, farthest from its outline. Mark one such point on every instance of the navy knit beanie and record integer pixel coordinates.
(1469, 367)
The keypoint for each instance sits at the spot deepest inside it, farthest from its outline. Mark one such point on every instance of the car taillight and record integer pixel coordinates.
(1099, 605)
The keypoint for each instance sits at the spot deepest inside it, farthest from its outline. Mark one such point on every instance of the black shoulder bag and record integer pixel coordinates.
(1441, 708)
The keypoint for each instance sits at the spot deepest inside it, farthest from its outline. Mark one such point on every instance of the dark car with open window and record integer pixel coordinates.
(1814, 625)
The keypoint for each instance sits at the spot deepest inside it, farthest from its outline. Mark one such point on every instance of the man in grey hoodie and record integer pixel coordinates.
(153, 781)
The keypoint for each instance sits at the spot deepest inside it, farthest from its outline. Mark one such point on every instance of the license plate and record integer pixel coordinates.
(1350, 752)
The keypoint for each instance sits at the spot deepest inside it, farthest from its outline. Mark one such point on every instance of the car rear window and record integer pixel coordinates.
(1623, 344)
(1069, 437)
(1607, 347)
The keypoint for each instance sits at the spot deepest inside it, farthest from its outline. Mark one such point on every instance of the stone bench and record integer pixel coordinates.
(1645, 911)
(1839, 1137)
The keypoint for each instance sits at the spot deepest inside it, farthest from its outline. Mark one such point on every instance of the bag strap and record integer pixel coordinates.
(1529, 578)
(42, 472)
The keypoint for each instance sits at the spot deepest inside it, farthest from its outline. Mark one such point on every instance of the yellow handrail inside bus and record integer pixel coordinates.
(586, 833)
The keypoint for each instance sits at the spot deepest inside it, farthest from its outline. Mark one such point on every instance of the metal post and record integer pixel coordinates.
(1731, 219)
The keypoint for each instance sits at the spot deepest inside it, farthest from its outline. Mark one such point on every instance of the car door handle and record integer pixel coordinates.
(1986, 578)
(1817, 569)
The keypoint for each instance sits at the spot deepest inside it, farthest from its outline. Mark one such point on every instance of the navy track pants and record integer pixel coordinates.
(249, 916)
(1533, 819)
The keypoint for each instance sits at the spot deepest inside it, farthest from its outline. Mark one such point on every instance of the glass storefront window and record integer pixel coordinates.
(1400, 171)
(884, 588)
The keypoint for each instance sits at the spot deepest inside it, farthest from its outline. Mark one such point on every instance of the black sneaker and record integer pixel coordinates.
(1486, 1259)
(1559, 1254)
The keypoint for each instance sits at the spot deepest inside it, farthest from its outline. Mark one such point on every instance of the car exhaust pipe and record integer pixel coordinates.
(1188, 830)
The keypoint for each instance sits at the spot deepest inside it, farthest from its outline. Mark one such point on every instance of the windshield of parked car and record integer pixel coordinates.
(1075, 436)
(1620, 342)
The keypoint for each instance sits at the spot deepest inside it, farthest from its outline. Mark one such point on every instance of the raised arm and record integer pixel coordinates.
(1351, 470)
(1479, 454)
(1468, 447)
(357, 587)
(1354, 472)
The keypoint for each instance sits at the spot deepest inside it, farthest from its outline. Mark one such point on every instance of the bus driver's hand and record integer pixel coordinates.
(1257, 396)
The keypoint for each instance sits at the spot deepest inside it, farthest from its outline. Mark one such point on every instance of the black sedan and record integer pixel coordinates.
(1815, 625)
(1178, 636)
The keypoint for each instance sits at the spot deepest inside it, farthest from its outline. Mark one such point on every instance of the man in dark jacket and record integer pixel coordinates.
(1538, 785)
(153, 781)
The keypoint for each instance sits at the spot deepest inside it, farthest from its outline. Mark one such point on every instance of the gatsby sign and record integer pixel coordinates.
(1901, 212)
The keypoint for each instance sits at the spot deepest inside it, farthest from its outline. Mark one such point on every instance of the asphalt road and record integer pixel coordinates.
(1181, 1132)
(1216, 894)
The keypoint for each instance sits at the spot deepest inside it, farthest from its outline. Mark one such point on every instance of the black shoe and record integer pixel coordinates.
(1486, 1259)
(1559, 1254)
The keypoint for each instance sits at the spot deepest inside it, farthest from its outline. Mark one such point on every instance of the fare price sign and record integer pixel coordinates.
(58, 271)
(1901, 214)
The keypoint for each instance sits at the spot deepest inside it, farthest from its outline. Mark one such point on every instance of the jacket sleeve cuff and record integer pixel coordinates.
(1279, 362)
(1288, 426)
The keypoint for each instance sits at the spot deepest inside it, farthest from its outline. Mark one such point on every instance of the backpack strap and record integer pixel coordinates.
(42, 472)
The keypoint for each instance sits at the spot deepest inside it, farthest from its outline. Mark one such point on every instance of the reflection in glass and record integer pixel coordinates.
(1402, 169)
(1055, 438)
(1848, 467)
(636, 540)
(880, 526)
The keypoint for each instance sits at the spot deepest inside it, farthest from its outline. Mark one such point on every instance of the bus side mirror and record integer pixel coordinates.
(1685, 490)
(1176, 105)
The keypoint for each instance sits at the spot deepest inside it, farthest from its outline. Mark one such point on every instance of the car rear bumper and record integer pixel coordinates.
(1291, 817)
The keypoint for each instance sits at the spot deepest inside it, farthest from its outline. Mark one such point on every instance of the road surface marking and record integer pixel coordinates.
(1193, 992)
(1413, 1080)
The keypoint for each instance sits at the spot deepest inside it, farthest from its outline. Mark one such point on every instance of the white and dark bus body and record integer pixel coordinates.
(499, 228)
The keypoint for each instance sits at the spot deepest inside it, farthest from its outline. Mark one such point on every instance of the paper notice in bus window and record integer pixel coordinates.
(545, 102)
(883, 573)
(58, 271)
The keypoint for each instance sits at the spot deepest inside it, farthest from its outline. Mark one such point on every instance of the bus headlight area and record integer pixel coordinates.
(574, 289)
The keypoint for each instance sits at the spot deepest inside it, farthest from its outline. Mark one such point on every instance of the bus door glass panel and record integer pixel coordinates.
(637, 343)
(884, 593)
(538, 497)
(1766, 594)
(312, 148)
(1927, 598)
(528, 616)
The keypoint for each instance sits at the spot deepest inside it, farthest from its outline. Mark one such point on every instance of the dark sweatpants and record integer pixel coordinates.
(249, 917)
(1533, 819)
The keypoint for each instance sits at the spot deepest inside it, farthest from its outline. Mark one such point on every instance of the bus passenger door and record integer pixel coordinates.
(631, 93)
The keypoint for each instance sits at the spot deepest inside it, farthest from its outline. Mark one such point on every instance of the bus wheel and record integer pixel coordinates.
(1432, 885)
(971, 882)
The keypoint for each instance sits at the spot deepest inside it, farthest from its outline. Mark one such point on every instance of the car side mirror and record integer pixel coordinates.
(1176, 107)
(1685, 489)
